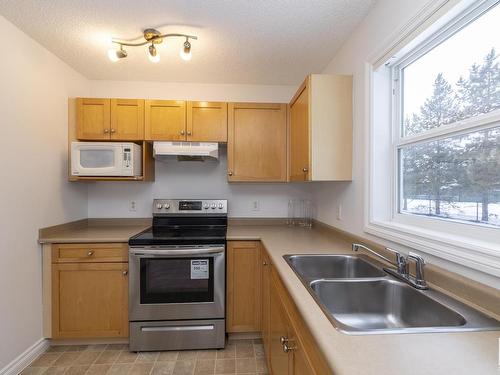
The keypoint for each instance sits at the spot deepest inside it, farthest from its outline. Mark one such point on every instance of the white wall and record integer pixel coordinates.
(369, 38)
(193, 179)
(34, 192)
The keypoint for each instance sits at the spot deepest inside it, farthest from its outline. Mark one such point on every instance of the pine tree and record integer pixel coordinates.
(438, 171)
(479, 94)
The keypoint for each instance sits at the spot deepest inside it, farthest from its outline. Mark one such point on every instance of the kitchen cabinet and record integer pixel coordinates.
(165, 120)
(93, 118)
(174, 120)
(127, 119)
(110, 119)
(89, 291)
(291, 349)
(206, 122)
(266, 301)
(257, 142)
(320, 139)
(243, 288)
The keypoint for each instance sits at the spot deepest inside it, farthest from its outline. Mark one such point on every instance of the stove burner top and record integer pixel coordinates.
(183, 223)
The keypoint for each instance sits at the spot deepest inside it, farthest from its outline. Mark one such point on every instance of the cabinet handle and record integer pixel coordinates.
(283, 340)
(90, 253)
(125, 273)
(305, 169)
(287, 348)
(230, 173)
(106, 131)
(264, 263)
(183, 132)
(113, 131)
(188, 133)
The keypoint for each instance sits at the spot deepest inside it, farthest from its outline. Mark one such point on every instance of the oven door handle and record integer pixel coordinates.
(148, 253)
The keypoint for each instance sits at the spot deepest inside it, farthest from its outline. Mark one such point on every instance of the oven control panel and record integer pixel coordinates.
(189, 206)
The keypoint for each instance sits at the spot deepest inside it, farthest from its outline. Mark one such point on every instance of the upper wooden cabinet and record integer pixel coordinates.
(110, 119)
(243, 286)
(93, 118)
(321, 129)
(127, 119)
(165, 120)
(257, 142)
(206, 122)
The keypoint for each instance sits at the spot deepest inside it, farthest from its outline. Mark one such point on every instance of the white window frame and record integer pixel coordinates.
(469, 244)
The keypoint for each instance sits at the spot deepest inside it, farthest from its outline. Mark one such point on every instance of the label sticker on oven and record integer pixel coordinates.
(199, 269)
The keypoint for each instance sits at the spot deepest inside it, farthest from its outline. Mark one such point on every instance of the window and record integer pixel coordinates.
(447, 123)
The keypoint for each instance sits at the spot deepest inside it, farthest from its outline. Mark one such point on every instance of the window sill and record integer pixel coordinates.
(466, 251)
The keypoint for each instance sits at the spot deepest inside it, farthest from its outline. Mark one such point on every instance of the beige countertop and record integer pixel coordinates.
(427, 353)
(94, 230)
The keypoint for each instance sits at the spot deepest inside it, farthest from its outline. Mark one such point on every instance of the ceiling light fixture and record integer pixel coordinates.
(117, 54)
(185, 53)
(154, 37)
(153, 54)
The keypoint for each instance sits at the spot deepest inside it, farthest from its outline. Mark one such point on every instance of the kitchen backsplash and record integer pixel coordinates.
(190, 179)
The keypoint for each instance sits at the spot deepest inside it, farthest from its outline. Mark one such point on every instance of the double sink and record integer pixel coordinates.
(360, 298)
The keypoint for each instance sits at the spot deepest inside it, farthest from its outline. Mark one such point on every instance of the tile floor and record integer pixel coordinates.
(238, 357)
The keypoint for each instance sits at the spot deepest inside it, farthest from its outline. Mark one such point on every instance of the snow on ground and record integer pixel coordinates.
(468, 211)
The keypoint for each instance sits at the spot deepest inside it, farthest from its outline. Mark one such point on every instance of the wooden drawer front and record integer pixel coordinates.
(89, 253)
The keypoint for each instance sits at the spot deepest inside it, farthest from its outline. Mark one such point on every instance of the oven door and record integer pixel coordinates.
(184, 282)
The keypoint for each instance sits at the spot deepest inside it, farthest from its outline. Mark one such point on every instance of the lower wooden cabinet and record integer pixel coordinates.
(291, 349)
(243, 304)
(280, 362)
(266, 301)
(89, 296)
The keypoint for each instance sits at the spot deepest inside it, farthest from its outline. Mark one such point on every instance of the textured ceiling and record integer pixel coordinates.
(240, 41)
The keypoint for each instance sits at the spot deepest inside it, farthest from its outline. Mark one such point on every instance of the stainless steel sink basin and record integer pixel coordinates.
(360, 298)
(382, 304)
(332, 267)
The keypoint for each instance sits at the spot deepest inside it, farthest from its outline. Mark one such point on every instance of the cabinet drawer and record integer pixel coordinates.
(90, 253)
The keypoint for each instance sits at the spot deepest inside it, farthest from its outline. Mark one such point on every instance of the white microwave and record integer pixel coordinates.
(106, 159)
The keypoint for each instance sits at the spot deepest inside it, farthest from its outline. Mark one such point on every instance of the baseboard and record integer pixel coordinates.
(24, 359)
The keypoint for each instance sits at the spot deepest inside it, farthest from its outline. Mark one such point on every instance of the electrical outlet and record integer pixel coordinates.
(132, 206)
(339, 212)
(255, 206)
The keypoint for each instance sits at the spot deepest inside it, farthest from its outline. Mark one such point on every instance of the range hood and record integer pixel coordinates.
(186, 150)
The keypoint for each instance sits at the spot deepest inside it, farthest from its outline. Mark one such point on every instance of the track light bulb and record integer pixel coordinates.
(116, 54)
(153, 54)
(185, 52)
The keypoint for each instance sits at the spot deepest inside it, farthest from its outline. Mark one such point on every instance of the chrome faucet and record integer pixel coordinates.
(402, 270)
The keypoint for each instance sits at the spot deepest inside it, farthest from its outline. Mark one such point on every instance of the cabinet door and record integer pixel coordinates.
(93, 119)
(243, 286)
(280, 362)
(266, 300)
(89, 300)
(127, 119)
(300, 365)
(207, 122)
(165, 120)
(257, 142)
(299, 137)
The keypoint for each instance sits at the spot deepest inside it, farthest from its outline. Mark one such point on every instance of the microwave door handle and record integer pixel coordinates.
(168, 252)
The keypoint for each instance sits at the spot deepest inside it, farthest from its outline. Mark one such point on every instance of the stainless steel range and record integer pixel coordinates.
(177, 277)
